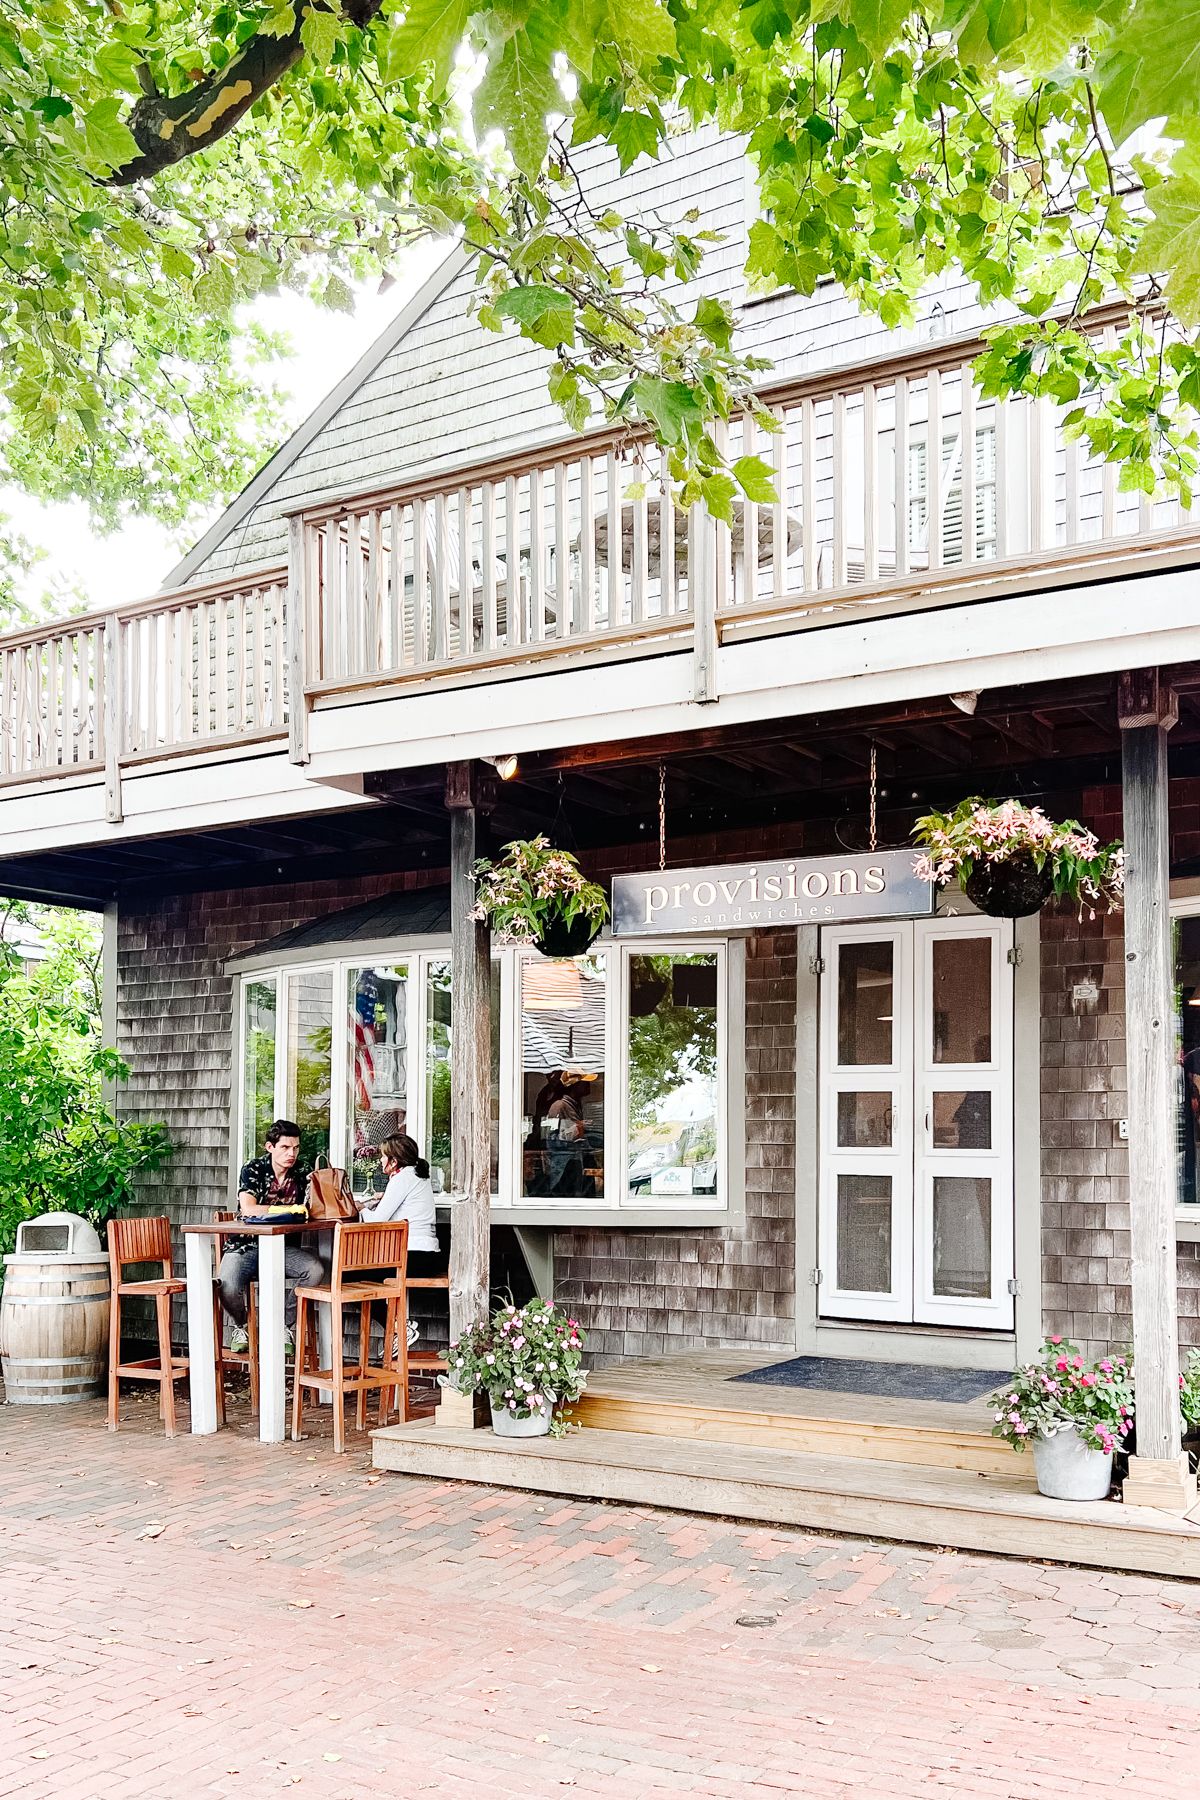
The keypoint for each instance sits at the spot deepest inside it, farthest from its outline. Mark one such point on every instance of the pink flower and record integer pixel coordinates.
(1087, 1381)
(1021, 1430)
(1062, 1363)
(1056, 1340)
(1077, 1362)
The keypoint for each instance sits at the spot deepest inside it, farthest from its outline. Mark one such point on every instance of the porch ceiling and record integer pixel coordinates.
(1050, 743)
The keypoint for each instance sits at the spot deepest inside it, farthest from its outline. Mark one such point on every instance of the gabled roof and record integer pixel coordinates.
(420, 912)
(294, 446)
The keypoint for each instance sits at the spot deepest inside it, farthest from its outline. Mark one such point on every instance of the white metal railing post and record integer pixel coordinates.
(702, 592)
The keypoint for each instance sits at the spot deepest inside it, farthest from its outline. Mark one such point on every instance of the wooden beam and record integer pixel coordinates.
(470, 1079)
(1158, 1474)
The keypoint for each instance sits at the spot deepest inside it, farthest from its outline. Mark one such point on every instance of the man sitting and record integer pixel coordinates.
(273, 1183)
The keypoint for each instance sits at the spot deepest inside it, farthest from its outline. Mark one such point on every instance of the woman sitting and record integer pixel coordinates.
(409, 1195)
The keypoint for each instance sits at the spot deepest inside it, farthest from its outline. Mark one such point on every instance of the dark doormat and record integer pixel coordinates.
(901, 1381)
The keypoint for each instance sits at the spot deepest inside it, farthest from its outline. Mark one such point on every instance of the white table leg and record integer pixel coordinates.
(202, 1350)
(272, 1379)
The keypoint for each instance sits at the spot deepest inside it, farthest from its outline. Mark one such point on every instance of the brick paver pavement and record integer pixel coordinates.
(211, 1617)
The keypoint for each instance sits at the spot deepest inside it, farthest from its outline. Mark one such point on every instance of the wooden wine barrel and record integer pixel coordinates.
(54, 1329)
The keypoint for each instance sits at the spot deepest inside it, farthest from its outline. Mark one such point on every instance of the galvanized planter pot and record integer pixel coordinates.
(1067, 1470)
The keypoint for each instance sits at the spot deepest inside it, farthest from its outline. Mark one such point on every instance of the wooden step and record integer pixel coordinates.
(826, 1430)
(850, 1496)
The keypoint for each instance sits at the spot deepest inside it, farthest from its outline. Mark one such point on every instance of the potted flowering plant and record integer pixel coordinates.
(1009, 858)
(1074, 1413)
(539, 895)
(528, 1360)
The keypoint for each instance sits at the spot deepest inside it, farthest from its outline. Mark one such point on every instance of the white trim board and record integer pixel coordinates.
(1045, 636)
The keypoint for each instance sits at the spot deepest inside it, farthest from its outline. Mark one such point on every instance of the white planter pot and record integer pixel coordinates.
(1067, 1470)
(506, 1424)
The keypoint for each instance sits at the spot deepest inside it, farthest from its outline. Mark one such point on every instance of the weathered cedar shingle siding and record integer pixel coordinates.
(1085, 1169)
(643, 1293)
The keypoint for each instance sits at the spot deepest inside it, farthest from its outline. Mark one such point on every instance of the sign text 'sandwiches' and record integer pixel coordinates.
(747, 896)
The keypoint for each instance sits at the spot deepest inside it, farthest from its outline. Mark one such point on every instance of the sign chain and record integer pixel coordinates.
(662, 816)
(874, 793)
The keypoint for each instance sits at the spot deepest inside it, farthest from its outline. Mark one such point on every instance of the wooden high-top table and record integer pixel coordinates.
(202, 1349)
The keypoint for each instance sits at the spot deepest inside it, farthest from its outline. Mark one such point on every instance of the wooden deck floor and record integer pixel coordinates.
(677, 1432)
(695, 1396)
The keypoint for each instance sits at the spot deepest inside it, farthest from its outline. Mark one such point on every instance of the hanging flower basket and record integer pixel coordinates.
(1010, 890)
(539, 896)
(561, 936)
(1010, 859)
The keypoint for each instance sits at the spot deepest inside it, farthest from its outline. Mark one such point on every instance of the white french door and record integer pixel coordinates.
(916, 1123)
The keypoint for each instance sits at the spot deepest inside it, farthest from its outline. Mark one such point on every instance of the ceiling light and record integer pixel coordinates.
(967, 701)
(505, 766)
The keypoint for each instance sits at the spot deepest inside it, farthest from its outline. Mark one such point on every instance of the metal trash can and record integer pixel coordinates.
(54, 1313)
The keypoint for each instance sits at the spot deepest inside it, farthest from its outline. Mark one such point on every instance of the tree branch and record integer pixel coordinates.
(170, 128)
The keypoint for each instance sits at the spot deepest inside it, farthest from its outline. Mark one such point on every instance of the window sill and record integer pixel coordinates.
(568, 1218)
(1187, 1224)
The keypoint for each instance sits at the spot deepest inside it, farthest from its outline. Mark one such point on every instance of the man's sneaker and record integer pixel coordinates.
(239, 1343)
(289, 1343)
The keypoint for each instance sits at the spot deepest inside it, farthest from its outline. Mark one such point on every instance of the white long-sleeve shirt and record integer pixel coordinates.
(407, 1196)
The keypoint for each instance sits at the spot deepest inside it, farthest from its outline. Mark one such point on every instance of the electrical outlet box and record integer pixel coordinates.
(1123, 1131)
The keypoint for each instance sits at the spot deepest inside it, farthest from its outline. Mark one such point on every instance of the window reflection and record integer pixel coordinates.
(563, 1077)
(438, 1101)
(258, 1064)
(378, 1067)
(1187, 1039)
(865, 1004)
(309, 1058)
(672, 1061)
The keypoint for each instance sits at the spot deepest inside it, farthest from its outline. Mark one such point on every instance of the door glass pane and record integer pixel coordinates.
(864, 1234)
(864, 1004)
(962, 1000)
(377, 1061)
(438, 1037)
(309, 1058)
(563, 1061)
(962, 1237)
(864, 1120)
(962, 1120)
(672, 1062)
(1187, 1039)
(258, 1064)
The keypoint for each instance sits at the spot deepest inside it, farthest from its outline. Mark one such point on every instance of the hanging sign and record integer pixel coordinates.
(821, 890)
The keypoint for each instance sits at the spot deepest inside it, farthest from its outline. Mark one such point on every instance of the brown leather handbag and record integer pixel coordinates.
(329, 1194)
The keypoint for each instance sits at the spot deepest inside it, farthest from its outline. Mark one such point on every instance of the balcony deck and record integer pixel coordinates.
(902, 493)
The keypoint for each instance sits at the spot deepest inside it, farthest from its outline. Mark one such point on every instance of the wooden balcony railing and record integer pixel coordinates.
(193, 670)
(897, 486)
(894, 483)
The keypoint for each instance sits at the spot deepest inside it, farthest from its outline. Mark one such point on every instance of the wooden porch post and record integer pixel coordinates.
(470, 1081)
(1158, 1474)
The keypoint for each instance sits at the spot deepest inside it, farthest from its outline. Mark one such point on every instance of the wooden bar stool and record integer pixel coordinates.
(382, 1250)
(420, 1360)
(132, 1241)
(226, 1358)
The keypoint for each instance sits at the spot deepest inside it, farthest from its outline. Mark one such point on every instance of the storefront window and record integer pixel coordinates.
(1187, 1040)
(357, 1052)
(438, 1040)
(308, 1087)
(258, 1063)
(563, 1078)
(377, 1068)
(671, 1138)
